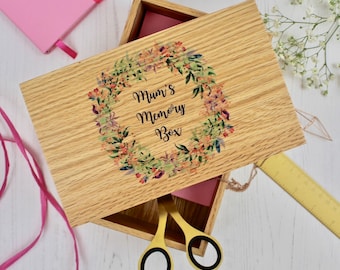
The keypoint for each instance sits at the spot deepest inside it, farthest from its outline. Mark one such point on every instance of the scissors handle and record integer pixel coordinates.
(191, 235)
(210, 240)
(153, 250)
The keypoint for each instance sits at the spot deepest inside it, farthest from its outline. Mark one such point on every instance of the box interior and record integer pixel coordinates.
(149, 26)
(144, 217)
(142, 220)
(151, 18)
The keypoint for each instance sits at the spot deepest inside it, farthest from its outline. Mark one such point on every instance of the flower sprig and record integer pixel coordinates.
(303, 45)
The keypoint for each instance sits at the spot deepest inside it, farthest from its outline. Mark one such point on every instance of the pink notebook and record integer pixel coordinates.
(46, 22)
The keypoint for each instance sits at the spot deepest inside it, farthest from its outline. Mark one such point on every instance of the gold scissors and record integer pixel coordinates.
(167, 206)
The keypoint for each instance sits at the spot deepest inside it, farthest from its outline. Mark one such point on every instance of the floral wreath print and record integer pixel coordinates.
(134, 157)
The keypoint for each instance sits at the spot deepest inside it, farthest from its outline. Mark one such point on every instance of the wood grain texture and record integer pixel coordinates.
(234, 42)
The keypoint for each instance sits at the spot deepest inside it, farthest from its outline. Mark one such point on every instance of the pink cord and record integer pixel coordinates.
(60, 44)
(45, 195)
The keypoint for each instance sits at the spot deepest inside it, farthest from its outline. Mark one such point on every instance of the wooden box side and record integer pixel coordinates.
(139, 8)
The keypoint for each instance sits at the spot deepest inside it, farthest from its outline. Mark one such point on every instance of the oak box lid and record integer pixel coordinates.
(161, 113)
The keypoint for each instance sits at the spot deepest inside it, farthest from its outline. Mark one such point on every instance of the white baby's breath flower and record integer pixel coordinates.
(292, 40)
(292, 59)
(275, 9)
(277, 24)
(296, 2)
(310, 11)
(322, 44)
(309, 82)
(316, 81)
(282, 56)
(331, 18)
(305, 50)
(314, 59)
(310, 35)
(301, 46)
(300, 68)
(276, 34)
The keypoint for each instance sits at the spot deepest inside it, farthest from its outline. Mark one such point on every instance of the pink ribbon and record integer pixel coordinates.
(60, 44)
(45, 195)
(2, 189)
(67, 49)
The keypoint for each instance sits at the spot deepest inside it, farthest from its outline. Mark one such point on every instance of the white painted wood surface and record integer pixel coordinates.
(262, 228)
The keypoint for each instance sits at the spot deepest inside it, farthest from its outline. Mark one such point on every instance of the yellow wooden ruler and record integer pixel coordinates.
(303, 189)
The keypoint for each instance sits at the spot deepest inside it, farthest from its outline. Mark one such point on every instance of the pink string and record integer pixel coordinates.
(45, 195)
(2, 189)
(60, 44)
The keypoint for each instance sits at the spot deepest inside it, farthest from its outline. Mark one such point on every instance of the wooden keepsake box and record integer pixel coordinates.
(161, 113)
(199, 203)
